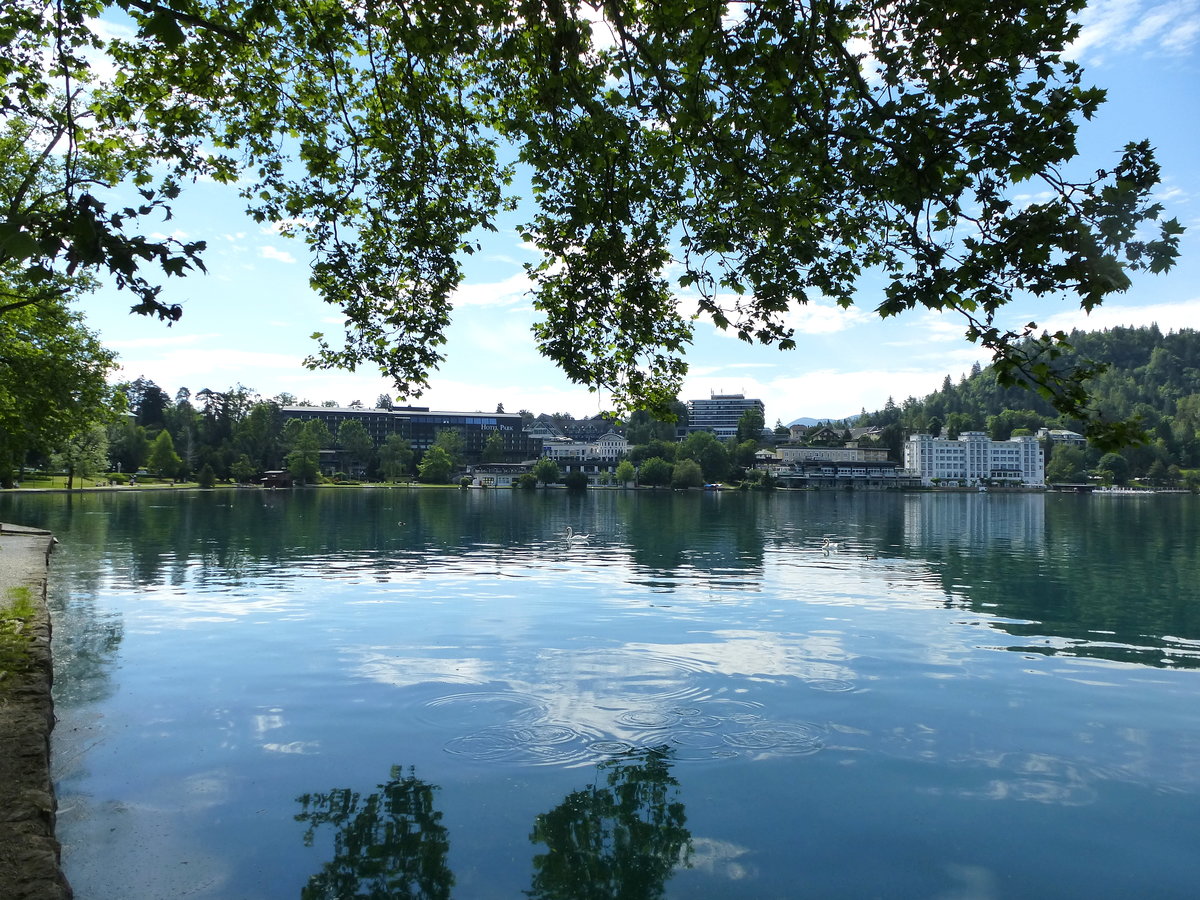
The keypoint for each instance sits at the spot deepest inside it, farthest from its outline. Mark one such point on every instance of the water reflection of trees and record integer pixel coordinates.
(620, 837)
(86, 638)
(227, 537)
(668, 531)
(1119, 580)
(391, 843)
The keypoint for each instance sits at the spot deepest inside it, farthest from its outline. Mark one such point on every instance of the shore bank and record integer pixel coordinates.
(29, 851)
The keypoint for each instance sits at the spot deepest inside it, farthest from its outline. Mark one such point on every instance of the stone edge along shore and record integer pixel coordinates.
(29, 852)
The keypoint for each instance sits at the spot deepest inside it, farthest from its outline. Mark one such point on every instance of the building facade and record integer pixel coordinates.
(610, 446)
(790, 455)
(878, 474)
(420, 426)
(589, 457)
(975, 458)
(720, 413)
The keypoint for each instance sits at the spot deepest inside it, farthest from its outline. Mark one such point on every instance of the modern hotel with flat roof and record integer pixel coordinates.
(419, 425)
(720, 413)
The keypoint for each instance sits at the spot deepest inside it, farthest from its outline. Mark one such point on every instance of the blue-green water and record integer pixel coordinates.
(434, 694)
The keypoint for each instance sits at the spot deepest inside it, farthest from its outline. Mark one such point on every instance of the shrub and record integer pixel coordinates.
(16, 611)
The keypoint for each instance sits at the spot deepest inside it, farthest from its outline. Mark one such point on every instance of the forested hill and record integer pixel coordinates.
(1150, 375)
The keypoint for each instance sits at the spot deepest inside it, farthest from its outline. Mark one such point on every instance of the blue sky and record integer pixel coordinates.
(249, 320)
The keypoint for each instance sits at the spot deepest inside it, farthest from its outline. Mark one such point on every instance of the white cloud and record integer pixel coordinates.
(553, 395)
(1168, 317)
(813, 317)
(1122, 25)
(827, 392)
(509, 292)
(282, 226)
(825, 317)
(269, 252)
(926, 327)
(176, 235)
(196, 366)
(698, 371)
(169, 340)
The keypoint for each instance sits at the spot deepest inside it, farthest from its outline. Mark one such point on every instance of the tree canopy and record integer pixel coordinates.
(53, 381)
(686, 160)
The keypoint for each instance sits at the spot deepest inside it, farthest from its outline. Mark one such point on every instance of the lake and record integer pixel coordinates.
(433, 693)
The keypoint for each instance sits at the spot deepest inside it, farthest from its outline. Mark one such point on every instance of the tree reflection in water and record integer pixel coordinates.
(388, 844)
(622, 839)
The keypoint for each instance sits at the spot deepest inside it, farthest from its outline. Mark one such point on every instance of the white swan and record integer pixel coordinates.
(572, 536)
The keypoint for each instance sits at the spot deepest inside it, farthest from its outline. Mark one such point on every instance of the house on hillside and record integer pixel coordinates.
(1061, 436)
(590, 429)
(544, 428)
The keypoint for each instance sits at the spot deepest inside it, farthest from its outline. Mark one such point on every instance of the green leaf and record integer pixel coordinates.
(165, 28)
(15, 244)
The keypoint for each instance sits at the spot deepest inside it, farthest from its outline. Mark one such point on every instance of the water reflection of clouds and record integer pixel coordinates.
(262, 724)
(160, 609)
(634, 670)
(588, 703)
(639, 693)
(723, 859)
(381, 665)
(763, 655)
(1031, 778)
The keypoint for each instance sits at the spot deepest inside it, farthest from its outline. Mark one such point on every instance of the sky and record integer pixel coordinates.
(249, 320)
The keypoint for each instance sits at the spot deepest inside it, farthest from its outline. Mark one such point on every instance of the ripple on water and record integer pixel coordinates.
(700, 721)
(514, 728)
(700, 745)
(721, 729)
(794, 738)
(475, 709)
(612, 748)
(542, 744)
(648, 718)
(830, 685)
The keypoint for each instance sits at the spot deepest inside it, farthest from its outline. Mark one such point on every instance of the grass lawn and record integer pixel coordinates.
(59, 483)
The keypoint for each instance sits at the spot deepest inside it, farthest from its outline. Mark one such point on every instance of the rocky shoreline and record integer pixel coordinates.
(29, 852)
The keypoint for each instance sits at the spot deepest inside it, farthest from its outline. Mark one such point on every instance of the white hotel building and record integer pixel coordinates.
(975, 457)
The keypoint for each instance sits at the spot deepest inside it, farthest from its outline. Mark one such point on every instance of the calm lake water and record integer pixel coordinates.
(405, 693)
